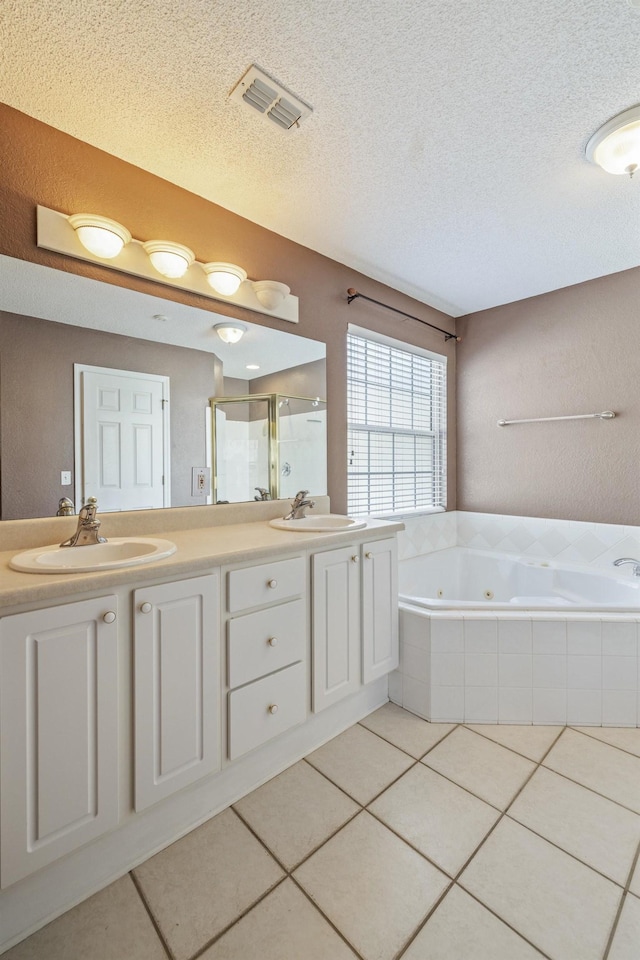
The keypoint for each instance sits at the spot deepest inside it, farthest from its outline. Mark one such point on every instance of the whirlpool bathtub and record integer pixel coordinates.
(460, 578)
(493, 638)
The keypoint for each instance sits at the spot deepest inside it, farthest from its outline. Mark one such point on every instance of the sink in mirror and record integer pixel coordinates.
(72, 347)
(321, 523)
(116, 553)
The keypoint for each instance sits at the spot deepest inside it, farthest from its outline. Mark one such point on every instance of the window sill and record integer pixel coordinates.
(408, 514)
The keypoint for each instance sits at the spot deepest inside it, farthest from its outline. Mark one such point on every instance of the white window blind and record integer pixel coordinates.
(396, 428)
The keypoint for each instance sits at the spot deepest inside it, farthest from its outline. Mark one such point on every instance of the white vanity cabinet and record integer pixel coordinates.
(59, 730)
(266, 651)
(176, 685)
(354, 618)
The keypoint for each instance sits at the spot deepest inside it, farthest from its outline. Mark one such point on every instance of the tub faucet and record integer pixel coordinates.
(88, 527)
(636, 564)
(299, 505)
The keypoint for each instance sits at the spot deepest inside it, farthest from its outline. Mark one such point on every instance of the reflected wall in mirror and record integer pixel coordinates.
(51, 320)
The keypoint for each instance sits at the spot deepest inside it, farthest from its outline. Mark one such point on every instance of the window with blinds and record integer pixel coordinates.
(397, 421)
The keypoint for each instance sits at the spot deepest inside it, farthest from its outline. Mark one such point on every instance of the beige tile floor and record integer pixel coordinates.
(399, 838)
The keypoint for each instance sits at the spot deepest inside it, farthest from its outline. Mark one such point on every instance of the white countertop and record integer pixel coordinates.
(197, 550)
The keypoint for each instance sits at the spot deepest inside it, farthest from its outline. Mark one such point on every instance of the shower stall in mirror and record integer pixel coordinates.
(268, 446)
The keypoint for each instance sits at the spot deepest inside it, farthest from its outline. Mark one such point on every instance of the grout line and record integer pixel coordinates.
(328, 919)
(233, 923)
(333, 783)
(156, 925)
(591, 790)
(606, 743)
(623, 900)
(428, 750)
(511, 749)
(262, 843)
(505, 922)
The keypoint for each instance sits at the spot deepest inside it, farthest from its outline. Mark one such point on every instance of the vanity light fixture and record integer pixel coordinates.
(616, 146)
(230, 332)
(170, 259)
(99, 235)
(225, 278)
(270, 293)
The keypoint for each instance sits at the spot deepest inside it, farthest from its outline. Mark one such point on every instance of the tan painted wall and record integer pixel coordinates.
(39, 164)
(575, 350)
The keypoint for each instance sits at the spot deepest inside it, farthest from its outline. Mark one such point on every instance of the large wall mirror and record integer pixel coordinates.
(106, 391)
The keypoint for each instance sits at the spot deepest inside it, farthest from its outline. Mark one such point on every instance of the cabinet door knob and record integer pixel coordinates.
(109, 616)
(368, 555)
(355, 558)
(272, 584)
(273, 708)
(145, 607)
(273, 641)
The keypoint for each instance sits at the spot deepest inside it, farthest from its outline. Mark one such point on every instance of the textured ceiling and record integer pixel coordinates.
(445, 153)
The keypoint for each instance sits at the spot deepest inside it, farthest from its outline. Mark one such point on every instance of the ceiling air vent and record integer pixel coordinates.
(271, 99)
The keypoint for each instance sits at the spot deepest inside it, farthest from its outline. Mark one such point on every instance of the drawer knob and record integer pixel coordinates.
(109, 616)
(273, 641)
(272, 584)
(368, 555)
(145, 607)
(273, 708)
(355, 558)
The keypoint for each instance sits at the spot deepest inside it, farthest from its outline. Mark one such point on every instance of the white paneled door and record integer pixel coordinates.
(122, 439)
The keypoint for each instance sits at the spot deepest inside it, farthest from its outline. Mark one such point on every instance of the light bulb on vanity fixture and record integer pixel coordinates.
(170, 259)
(230, 332)
(225, 278)
(616, 146)
(101, 236)
(270, 293)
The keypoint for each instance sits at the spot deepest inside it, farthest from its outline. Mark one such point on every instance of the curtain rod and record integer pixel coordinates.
(353, 295)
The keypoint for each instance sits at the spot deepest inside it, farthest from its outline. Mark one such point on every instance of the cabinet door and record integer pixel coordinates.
(59, 726)
(176, 686)
(336, 625)
(379, 608)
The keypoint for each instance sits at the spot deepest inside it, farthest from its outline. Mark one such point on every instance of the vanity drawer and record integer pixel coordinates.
(265, 583)
(263, 642)
(265, 708)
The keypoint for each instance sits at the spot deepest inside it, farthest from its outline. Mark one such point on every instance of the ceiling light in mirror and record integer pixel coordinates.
(170, 259)
(225, 278)
(230, 332)
(270, 293)
(252, 366)
(99, 235)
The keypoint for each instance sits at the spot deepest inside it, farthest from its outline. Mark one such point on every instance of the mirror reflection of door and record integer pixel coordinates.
(121, 438)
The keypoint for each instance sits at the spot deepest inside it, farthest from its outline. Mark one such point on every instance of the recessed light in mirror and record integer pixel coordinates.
(252, 366)
(230, 332)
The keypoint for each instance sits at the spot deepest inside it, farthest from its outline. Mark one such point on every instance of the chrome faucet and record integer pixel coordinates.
(299, 505)
(88, 526)
(263, 493)
(636, 564)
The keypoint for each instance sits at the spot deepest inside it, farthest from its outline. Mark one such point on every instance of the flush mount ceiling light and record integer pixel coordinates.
(270, 293)
(225, 278)
(103, 237)
(270, 99)
(616, 146)
(230, 332)
(170, 259)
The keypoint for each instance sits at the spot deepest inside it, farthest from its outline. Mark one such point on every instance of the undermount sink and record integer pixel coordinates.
(321, 523)
(122, 552)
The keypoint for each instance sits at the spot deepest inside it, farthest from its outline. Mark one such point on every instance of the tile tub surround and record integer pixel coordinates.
(525, 667)
(446, 862)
